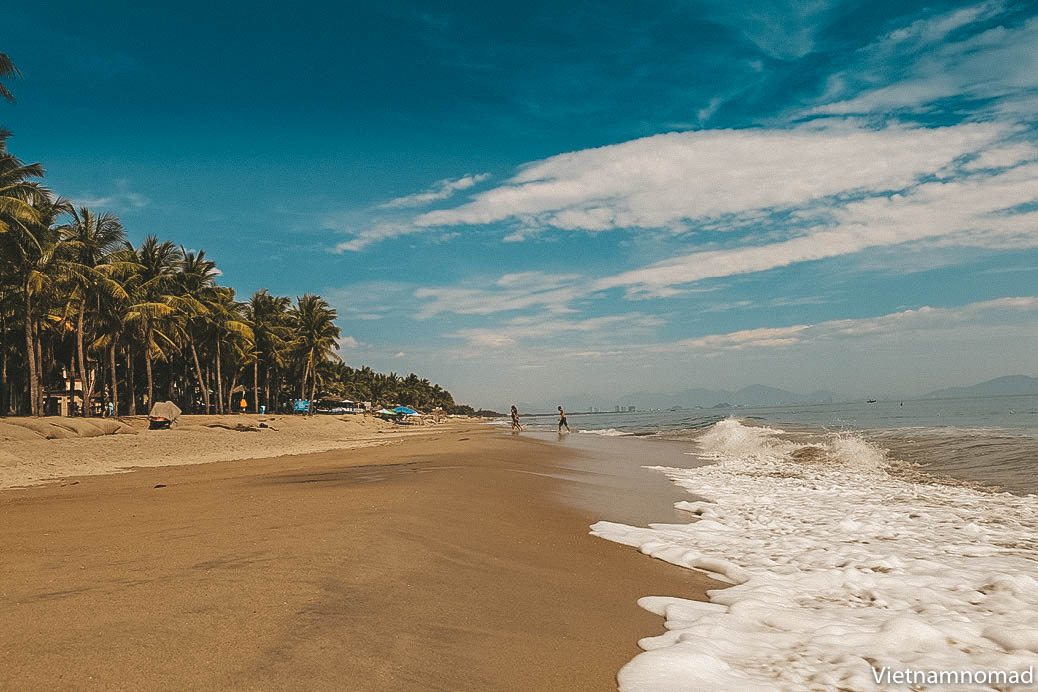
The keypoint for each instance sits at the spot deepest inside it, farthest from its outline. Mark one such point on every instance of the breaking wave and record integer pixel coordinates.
(840, 560)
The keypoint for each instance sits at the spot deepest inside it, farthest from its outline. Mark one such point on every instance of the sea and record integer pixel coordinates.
(864, 544)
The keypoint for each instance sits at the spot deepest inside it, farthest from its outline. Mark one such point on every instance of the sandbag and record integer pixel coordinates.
(43, 427)
(12, 431)
(81, 426)
(106, 425)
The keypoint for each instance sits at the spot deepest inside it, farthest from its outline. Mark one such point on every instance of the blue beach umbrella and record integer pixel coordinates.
(406, 411)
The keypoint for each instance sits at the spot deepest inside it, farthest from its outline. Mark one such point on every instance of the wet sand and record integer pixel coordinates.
(443, 561)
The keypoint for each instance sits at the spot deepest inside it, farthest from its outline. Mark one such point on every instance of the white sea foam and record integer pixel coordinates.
(610, 432)
(836, 567)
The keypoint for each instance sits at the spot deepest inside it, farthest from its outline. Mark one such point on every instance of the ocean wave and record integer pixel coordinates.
(838, 566)
(609, 432)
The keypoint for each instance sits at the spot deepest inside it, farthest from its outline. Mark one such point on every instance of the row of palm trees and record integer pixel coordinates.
(79, 302)
(364, 384)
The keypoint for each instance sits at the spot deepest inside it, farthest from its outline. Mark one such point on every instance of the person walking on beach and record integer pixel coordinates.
(243, 404)
(562, 420)
(515, 419)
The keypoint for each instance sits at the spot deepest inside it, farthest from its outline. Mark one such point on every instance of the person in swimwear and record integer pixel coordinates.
(562, 420)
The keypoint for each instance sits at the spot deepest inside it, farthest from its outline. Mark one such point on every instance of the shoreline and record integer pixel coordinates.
(448, 559)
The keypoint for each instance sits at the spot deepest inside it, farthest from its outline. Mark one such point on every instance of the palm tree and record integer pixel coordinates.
(152, 293)
(27, 213)
(92, 243)
(19, 224)
(197, 285)
(316, 336)
(7, 69)
(227, 326)
(268, 317)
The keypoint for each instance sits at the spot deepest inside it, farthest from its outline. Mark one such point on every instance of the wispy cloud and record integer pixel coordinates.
(376, 232)
(122, 198)
(976, 211)
(785, 31)
(441, 190)
(941, 58)
(510, 292)
(919, 319)
(547, 326)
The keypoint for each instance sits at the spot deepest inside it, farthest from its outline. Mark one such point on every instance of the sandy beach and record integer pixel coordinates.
(36, 450)
(448, 558)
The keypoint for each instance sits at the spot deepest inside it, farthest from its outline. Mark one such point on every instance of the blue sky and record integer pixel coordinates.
(576, 201)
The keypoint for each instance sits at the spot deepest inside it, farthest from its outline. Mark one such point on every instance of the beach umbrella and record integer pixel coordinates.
(386, 412)
(406, 411)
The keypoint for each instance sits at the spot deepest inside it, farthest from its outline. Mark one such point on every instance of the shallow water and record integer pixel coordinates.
(988, 440)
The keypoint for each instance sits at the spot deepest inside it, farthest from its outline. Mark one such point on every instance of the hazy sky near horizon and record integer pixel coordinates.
(573, 202)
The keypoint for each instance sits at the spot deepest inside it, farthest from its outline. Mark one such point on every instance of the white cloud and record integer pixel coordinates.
(508, 293)
(380, 231)
(666, 180)
(1000, 64)
(925, 32)
(441, 190)
(120, 199)
(349, 342)
(966, 212)
(923, 319)
(541, 327)
(1003, 157)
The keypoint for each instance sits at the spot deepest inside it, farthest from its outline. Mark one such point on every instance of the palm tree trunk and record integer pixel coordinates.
(5, 400)
(30, 356)
(266, 390)
(115, 381)
(201, 382)
(230, 392)
(219, 381)
(147, 366)
(40, 398)
(255, 385)
(133, 383)
(82, 360)
(313, 393)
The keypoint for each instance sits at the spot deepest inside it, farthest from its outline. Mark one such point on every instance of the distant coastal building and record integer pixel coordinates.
(64, 396)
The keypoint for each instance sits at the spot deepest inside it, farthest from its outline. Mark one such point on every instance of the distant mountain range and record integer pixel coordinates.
(1000, 386)
(760, 395)
(753, 395)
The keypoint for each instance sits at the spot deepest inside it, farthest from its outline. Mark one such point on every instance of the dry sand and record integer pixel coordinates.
(439, 561)
(27, 457)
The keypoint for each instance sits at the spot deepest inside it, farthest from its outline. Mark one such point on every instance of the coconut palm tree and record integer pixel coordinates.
(7, 69)
(31, 251)
(268, 316)
(92, 246)
(227, 326)
(152, 291)
(197, 286)
(316, 338)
